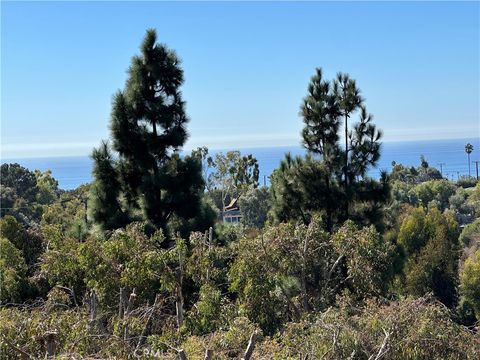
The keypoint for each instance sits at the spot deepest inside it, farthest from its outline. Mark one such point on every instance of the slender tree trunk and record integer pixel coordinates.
(179, 300)
(93, 306)
(154, 126)
(179, 308)
(131, 299)
(223, 205)
(304, 275)
(327, 183)
(468, 164)
(346, 164)
(329, 205)
(122, 308)
(121, 303)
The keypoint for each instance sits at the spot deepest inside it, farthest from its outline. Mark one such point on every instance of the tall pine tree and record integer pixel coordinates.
(148, 127)
(332, 178)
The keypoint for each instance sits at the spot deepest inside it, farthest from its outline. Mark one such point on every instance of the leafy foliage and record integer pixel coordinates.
(368, 259)
(470, 283)
(28, 241)
(21, 180)
(105, 204)
(292, 269)
(338, 270)
(430, 240)
(254, 205)
(470, 233)
(47, 187)
(415, 175)
(12, 272)
(231, 176)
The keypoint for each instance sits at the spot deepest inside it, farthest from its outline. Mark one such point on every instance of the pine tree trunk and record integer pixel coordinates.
(304, 275)
(346, 165)
(179, 300)
(328, 205)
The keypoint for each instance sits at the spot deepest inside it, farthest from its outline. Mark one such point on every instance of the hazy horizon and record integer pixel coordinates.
(247, 66)
(475, 140)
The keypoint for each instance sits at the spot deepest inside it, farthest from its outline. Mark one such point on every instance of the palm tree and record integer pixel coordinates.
(468, 150)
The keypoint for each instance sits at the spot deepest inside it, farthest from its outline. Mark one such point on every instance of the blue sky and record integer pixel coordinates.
(247, 66)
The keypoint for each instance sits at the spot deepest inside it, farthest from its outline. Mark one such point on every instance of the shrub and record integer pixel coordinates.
(12, 272)
(470, 283)
(470, 232)
(466, 182)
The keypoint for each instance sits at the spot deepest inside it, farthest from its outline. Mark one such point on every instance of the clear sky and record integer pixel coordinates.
(247, 66)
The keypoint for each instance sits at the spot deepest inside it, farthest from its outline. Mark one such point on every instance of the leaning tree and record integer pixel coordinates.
(147, 178)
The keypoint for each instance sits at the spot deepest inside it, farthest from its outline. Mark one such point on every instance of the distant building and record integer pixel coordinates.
(232, 214)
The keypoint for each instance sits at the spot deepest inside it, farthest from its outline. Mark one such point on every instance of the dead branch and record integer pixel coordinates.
(23, 354)
(208, 353)
(383, 348)
(144, 331)
(250, 346)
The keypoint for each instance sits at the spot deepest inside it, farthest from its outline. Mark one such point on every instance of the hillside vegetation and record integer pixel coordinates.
(326, 263)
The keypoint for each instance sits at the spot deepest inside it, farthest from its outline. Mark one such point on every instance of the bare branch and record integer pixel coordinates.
(250, 346)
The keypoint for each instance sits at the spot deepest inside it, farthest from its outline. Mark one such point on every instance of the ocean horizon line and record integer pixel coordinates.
(73, 170)
(224, 149)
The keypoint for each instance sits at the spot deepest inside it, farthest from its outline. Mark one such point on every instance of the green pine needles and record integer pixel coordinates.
(332, 178)
(147, 179)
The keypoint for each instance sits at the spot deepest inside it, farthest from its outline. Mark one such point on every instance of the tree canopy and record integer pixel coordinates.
(146, 178)
(332, 178)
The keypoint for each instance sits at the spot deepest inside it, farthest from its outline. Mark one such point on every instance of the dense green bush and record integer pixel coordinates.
(470, 232)
(28, 241)
(13, 271)
(467, 181)
(431, 244)
(470, 282)
(412, 329)
(24, 332)
(254, 205)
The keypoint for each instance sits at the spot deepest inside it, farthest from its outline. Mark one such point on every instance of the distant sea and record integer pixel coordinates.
(76, 170)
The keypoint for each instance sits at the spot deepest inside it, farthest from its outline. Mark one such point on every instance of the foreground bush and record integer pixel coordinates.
(29, 332)
(409, 329)
(412, 329)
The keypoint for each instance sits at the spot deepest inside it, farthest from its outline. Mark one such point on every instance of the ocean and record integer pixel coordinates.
(76, 170)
